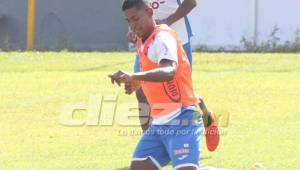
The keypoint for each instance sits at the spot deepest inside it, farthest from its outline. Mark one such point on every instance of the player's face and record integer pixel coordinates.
(140, 21)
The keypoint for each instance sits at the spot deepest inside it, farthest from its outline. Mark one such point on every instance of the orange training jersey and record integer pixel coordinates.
(167, 98)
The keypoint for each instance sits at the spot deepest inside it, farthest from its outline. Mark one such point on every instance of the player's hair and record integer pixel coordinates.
(138, 4)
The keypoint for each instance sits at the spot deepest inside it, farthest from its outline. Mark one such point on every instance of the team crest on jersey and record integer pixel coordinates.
(156, 3)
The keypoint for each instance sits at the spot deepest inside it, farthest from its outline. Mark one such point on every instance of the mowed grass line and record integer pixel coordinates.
(261, 92)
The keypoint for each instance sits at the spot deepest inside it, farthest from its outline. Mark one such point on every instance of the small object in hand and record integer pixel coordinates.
(131, 36)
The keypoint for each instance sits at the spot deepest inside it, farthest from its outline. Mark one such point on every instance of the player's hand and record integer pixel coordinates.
(161, 21)
(131, 37)
(120, 77)
(132, 86)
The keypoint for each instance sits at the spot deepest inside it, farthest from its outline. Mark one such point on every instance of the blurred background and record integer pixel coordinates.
(98, 25)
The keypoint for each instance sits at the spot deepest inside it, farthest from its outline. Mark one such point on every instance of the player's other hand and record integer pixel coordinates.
(120, 77)
(132, 86)
(131, 37)
(161, 21)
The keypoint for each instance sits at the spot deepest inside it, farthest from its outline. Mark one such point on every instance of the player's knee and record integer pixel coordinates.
(145, 165)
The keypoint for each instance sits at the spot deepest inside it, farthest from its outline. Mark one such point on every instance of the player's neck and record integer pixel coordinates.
(151, 30)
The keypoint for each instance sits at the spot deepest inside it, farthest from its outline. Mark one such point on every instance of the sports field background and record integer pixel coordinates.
(261, 92)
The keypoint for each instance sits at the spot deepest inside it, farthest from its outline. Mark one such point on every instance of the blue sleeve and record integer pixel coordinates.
(136, 64)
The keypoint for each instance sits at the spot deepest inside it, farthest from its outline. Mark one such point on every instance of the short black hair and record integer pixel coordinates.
(138, 4)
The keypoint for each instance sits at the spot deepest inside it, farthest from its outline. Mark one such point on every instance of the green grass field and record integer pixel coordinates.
(261, 92)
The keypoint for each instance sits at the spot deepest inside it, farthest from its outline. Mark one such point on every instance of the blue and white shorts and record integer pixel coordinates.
(178, 143)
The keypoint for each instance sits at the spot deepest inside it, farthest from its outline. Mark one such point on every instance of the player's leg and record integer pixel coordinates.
(150, 152)
(184, 145)
(209, 118)
(212, 135)
(146, 165)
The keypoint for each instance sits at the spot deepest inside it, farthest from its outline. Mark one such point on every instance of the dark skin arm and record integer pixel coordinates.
(165, 72)
(185, 8)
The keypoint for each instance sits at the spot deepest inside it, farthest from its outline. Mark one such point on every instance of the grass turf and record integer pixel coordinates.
(261, 93)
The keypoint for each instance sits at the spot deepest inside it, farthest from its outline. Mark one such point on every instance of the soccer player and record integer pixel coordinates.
(174, 13)
(165, 77)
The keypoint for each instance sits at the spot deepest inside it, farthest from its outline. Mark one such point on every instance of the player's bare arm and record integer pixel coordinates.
(185, 8)
(165, 72)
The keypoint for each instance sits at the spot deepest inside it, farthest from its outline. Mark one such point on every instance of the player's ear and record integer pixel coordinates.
(149, 12)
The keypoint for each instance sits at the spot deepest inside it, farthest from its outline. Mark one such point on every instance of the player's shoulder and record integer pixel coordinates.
(165, 39)
(165, 27)
(165, 32)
